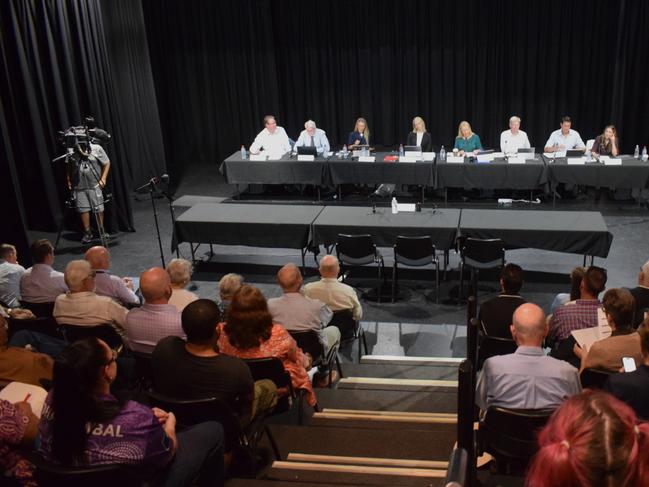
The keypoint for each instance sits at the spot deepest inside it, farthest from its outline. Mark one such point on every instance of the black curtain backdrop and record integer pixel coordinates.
(219, 68)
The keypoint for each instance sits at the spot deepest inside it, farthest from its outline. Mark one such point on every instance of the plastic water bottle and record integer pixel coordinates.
(636, 152)
(395, 206)
(345, 152)
(644, 153)
(442, 154)
(243, 152)
(401, 151)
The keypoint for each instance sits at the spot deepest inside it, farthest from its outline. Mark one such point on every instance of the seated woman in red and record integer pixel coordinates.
(249, 332)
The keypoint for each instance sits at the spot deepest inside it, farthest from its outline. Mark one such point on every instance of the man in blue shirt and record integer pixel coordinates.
(313, 136)
(526, 379)
(564, 139)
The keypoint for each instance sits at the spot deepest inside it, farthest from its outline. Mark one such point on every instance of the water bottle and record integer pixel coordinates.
(395, 206)
(243, 152)
(644, 153)
(345, 152)
(442, 154)
(401, 151)
(636, 152)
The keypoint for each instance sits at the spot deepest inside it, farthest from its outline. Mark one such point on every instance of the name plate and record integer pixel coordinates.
(612, 162)
(366, 159)
(409, 207)
(485, 157)
(455, 159)
(516, 160)
(576, 160)
(258, 157)
(527, 155)
(407, 159)
(412, 153)
(498, 155)
(428, 156)
(306, 157)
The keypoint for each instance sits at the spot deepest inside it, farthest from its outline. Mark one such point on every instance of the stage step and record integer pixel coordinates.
(404, 360)
(280, 483)
(401, 371)
(376, 383)
(349, 418)
(373, 461)
(444, 401)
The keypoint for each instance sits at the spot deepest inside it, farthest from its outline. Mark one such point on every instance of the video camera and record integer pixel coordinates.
(81, 136)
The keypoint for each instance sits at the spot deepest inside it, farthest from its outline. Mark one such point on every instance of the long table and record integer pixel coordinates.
(498, 174)
(633, 173)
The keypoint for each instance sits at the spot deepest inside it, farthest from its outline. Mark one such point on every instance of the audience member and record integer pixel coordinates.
(592, 440)
(496, 314)
(81, 306)
(180, 273)
(249, 332)
(641, 295)
(121, 432)
(195, 369)
(20, 364)
(156, 318)
(228, 285)
(10, 273)
(330, 291)
(106, 284)
(18, 428)
(297, 312)
(576, 275)
(624, 341)
(40, 283)
(526, 379)
(633, 387)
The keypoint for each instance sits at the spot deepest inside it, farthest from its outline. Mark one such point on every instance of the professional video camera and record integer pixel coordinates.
(82, 136)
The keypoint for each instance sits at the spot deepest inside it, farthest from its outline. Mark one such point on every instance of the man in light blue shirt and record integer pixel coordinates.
(526, 379)
(313, 136)
(10, 273)
(564, 139)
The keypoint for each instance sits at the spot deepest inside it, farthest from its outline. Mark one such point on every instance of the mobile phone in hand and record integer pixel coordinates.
(629, 364)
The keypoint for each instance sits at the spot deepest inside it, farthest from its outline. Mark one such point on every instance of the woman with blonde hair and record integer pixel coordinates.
(607, 143)
(360, 135)
(466, 141)
(419, 137)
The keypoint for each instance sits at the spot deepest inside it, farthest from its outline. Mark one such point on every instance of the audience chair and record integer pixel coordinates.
(45, 325)
(104, 332)
(359, 250)
(489, 346)
(143, 370)
(477, 254)
(350, 330)
(594, 378)
(457, 466)
(309, 342)
(41, 310)
(415, 252)
(49, 474)
(509, 435)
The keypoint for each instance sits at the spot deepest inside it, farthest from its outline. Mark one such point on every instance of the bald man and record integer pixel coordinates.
(156, 318)
(526, 379)
(334, 294)
(121, 290)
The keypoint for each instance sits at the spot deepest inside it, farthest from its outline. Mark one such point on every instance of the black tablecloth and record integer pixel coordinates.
(284, 171)
(279, 226)
(578, 232)
(354, 172)
(384, 227)
(494, 175)
(633, 173)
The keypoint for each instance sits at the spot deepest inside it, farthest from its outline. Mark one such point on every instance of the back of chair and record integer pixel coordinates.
(414, 251)
(483, 253)
(42, 310)
(104, 332)
(355, 249)
(457, 466)
(489, 346)
(143, 368)
(309, 342)
(46, 325)
(343, 319)
(510, 434)
(594, 378)
(269, 368)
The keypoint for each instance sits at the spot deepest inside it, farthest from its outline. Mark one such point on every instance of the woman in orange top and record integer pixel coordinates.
(249, 332)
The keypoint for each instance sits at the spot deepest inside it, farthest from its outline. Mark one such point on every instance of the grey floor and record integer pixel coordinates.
(414, 325)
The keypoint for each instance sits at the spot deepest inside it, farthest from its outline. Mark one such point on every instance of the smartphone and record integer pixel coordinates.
(629, 364)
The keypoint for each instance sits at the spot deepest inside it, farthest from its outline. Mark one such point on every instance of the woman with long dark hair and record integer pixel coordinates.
(607, 144)
(82, 423)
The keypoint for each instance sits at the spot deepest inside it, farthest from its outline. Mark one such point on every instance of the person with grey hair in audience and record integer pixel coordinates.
(106, 284)
(228, 285)
(10, 273)
(641, 295)
(312, 136)
(330, 291)
(180, 273)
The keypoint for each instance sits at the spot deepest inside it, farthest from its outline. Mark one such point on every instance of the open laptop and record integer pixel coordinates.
(571, 153)
(526, 151)
(412, 148)
(307, 150)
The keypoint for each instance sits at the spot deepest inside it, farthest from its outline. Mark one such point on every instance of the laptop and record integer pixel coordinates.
(307, 150)
(571, 153)
(526, 151)
(412, 148)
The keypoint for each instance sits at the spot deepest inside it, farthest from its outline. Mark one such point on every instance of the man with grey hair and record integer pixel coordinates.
(526, 379)
(313, 137)
(513, 139)
(641, 295)
(81, 305)
(334, 294)
(106, 284)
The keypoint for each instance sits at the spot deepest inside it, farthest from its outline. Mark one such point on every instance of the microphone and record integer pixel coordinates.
(159, 179)
(99, 134)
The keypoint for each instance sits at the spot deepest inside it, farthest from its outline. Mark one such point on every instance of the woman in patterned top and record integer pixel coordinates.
(18, 426)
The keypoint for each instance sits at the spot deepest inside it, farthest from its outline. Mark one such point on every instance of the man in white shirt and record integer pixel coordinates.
(121, 290)
(10, 273)
(313, 136)
(40, 283)
(272, 139)
(513, 139)
(564, 139)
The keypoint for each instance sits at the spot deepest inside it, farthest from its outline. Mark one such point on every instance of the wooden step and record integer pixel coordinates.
(440, 401)
(404, 360)
(392, 420)
(401, 371)
(375, 461)
(396, 384)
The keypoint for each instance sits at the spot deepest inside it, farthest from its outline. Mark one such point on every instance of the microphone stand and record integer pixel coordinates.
(172, 211)
(151, 185)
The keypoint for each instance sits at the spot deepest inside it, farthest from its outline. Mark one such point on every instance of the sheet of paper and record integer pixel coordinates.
(428, 156)
(17, 392)
(455, 159)
(366, 159)
(406, 206)
(485, 157)
(258, 157)
(586, 336)
(576, 160)
(613, 162)
(560, 153)
(306, 157)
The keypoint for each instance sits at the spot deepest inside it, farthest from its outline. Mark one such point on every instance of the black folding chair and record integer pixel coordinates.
(104, 332)
(415, 252)
(509, 435)
(143, 370)
(45, 325)
(41, 310)
(478, 254)
(309, 342)
(350, 330)
(490, 346)
(359, 250)
(594, 378)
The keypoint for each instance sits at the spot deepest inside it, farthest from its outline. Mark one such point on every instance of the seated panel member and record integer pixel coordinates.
(466, 141)
(513, 139)
(271, 139)
(419, 136)
(564, 138)
(360, 135)
(314, 137)
(607, 144)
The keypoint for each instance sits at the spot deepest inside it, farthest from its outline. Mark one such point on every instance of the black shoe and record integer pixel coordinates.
(87, 238)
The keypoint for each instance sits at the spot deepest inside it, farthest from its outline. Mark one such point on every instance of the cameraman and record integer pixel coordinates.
(87, 174)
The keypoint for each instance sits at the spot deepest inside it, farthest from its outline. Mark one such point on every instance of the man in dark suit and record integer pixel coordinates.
(496, 314)
(641, 295)
(633, 387)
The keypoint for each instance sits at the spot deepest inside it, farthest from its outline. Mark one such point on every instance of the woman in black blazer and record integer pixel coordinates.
(419, 136)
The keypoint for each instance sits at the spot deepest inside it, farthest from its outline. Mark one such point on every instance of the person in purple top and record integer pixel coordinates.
(82, 423)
